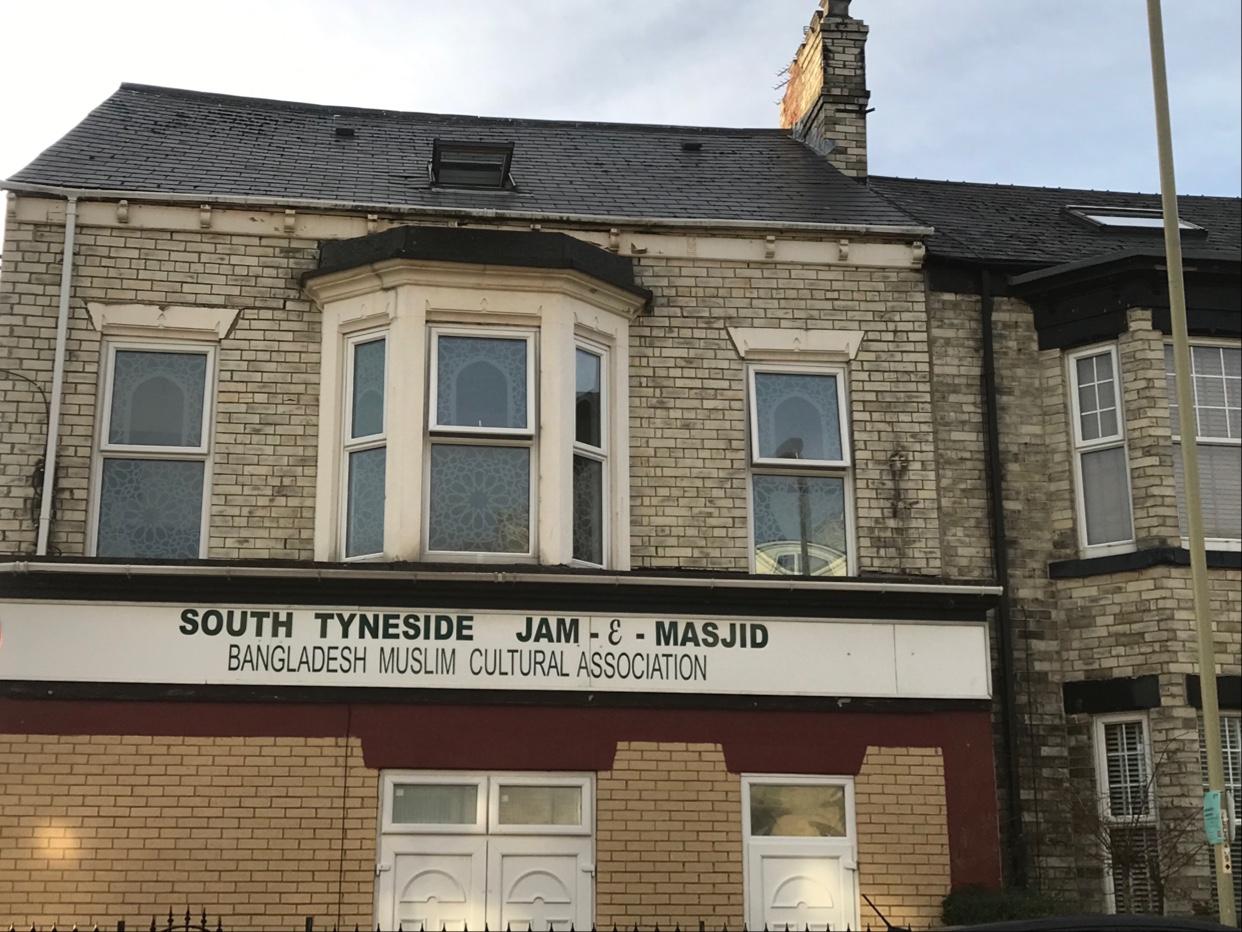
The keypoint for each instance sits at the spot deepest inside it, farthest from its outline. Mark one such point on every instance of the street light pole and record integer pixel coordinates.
(1188, 429)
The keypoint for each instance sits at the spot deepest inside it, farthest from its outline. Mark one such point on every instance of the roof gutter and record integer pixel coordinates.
(27, 567)
(471, 213)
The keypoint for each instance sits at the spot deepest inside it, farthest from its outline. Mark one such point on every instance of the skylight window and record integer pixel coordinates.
(1127, 218)
(471, 164)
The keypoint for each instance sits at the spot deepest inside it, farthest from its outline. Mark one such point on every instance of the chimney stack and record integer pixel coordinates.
(826, 97)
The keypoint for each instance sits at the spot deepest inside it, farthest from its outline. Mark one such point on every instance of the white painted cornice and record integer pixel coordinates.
(165, 321)
(789, 343)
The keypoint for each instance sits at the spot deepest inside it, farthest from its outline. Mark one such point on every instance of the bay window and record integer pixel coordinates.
(590, 456)
(365, 446)
(1101, 464)
(1216, 383)
(1128, 810)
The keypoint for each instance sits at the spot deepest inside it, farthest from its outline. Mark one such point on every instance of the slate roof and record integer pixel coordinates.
(155, 139)
(1030, 226)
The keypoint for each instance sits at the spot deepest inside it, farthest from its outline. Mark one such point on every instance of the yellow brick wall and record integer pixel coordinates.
(107, 827)
(903, 835)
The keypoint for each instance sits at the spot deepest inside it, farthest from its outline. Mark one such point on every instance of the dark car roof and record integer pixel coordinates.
(157, 139)
(1098, 924)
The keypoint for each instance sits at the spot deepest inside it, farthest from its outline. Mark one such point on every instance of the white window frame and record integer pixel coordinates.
(1104, 787)
(1211, 543)
(487, 801)
(502, 437)
(844, 847)
(1083, 447)
(358, 444)
(772, 466)
(104, 449)
(600, 454)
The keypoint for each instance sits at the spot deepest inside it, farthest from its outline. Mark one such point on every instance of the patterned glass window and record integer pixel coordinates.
(365, 453)
(1216, 379)
(1100, 450)
(481, 444)
(590, 456)
(152, 466)
(800, 471)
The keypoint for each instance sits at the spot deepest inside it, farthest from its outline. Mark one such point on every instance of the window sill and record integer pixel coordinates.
(1139, 560)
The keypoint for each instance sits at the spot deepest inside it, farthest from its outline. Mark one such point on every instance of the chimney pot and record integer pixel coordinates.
(839, 8)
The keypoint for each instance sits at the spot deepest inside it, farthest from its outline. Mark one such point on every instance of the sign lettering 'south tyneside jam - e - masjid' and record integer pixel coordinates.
(274, 646)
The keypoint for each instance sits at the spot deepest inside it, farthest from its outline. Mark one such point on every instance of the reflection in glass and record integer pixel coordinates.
(1106, 495)
(435, 803)
(588, 510)
(157, 399)
(797, 811)
(368, 390)
(540, 805)
(800, 525)
(797, 417)
(150, 508)
(481, 382)
(480, 499)
(364, 524)
(587, 410)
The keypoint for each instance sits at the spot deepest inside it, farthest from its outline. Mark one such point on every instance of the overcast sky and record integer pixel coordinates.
(1050, 92)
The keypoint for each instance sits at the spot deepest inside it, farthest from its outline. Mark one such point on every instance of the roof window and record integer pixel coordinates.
(471, 164)
(1127, 218)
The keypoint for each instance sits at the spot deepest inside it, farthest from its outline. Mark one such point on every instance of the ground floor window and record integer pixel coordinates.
(801, 852)
(1129, 831)
(1231, 751)
(464, 850)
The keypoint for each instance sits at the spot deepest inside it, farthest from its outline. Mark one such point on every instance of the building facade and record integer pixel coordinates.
(458, 520)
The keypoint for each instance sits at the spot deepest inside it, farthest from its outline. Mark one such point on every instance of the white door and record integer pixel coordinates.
(801, 869)
(536, 884)
(432, 882)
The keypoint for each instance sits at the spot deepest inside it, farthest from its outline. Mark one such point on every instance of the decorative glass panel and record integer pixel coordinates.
(797, 811)
(435, 803)
(1220, 490)
(1106, 495)
(588, 414)
(797, 416)
(1097, 397)
(150, 508)
(367, 414)
(481, 382)
(800, 525)
(588, 510)
(364, 523)
(540, 805)
(480, 499)
(157, 399)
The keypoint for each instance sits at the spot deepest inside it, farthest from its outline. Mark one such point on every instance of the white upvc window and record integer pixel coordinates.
(1127, 803)
(365, 445)
(451, 803)
(1216, 380)
(591, 510)
(152, 469)
(800, 490)
(1101, 463)
(482, 470)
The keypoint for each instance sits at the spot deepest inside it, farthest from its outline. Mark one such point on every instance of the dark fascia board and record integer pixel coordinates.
(1115, 694)
(1139, 560)
(514, 248)
(671, 594)
(1108, 265)
(1228, 691)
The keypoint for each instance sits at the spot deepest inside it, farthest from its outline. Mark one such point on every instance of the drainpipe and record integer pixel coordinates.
(1004, 621)
(58, 377)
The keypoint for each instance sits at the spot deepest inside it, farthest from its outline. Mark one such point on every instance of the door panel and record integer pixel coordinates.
(539, 884)
(432, 882)
(794, 887)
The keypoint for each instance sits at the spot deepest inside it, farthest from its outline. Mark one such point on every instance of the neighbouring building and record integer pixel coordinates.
(454, 520)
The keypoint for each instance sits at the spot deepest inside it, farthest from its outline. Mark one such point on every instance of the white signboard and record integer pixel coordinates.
(464, 649)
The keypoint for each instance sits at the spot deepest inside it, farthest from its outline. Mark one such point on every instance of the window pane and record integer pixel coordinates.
(1097, 397)
(1220, 490)
(150, 508)
(588, 510)
(800, 525)
(157, 399)
(364, 523)
(481, 382)
(480, 499)
(587, 409)
(1126, 768)
(368, 389)
(435, 803)
(540, 805)
(797, 811)
(797, 416)
(1106, 496)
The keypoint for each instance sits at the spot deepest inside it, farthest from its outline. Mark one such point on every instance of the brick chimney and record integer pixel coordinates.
(826, 97)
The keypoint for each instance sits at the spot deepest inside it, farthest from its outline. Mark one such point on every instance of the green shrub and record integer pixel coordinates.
(971, 905)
